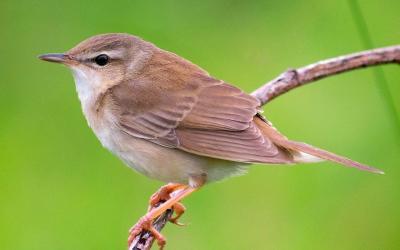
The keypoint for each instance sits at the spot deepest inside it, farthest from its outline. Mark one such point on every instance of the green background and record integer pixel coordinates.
(59, 189)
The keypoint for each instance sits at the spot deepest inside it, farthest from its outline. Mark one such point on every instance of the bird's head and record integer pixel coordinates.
(104, 60)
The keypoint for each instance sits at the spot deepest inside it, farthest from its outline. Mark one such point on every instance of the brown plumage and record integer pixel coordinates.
(176, 104)
(194, 112)
(170, 120)
(154, 95)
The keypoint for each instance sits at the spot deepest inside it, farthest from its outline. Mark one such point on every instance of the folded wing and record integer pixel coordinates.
(194, 112)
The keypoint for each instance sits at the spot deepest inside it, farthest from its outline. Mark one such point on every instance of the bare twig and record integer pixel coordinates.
(289, 80)
(294, 78)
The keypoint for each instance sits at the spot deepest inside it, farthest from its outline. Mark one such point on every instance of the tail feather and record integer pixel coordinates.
(302, 147)
(301, 157)
(298, 148)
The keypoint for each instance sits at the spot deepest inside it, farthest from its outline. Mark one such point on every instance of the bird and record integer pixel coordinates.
(170, 120)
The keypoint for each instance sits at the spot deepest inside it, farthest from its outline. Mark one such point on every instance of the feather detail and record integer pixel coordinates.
(282, 141)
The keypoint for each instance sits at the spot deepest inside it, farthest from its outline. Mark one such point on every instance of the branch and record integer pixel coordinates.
(294, 78)
(289, 80)
(145, 240)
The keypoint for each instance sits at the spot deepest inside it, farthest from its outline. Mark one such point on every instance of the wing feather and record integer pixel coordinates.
(222, 106)
(248, 145)
(182, 107)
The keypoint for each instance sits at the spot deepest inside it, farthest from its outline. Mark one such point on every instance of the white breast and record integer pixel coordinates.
(88, 87)
(86, 84)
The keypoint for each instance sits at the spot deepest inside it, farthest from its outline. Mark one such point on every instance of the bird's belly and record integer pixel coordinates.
(162, 163)
(157, 162)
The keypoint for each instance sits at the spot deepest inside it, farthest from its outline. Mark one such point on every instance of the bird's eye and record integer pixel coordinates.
(101, 60)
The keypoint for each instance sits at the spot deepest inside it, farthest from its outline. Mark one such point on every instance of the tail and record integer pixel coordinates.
(320, 153)
(303, 149)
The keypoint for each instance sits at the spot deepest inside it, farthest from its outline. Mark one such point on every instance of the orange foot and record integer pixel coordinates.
(164, 194)
(145, 223)
(179, 209)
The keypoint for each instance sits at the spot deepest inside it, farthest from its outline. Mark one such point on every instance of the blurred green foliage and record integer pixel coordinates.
(59, 189)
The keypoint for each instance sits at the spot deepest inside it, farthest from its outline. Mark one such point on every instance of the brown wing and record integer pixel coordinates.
(153, 109)
(183, 108)
(221, 125)
(243, 146)
(221, 107)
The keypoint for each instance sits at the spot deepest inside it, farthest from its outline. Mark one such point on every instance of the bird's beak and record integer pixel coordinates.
(55, 57)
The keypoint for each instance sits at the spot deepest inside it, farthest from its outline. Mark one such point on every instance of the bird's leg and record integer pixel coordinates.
(163, 194)
(145, 223)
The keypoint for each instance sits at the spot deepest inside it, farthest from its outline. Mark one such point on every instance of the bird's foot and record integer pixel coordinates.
(164, 194)
(179, 209)
(157, 208)
(146, 224)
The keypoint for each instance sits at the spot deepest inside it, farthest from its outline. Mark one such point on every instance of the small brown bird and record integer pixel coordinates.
(171, 121)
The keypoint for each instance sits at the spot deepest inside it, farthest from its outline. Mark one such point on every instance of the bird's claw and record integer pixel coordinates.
(179, 209)
(145, 224)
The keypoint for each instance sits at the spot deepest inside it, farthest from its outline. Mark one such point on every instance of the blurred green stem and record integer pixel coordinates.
(379, 75)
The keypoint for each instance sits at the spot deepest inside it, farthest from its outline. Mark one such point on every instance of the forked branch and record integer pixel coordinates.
(287, 81)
